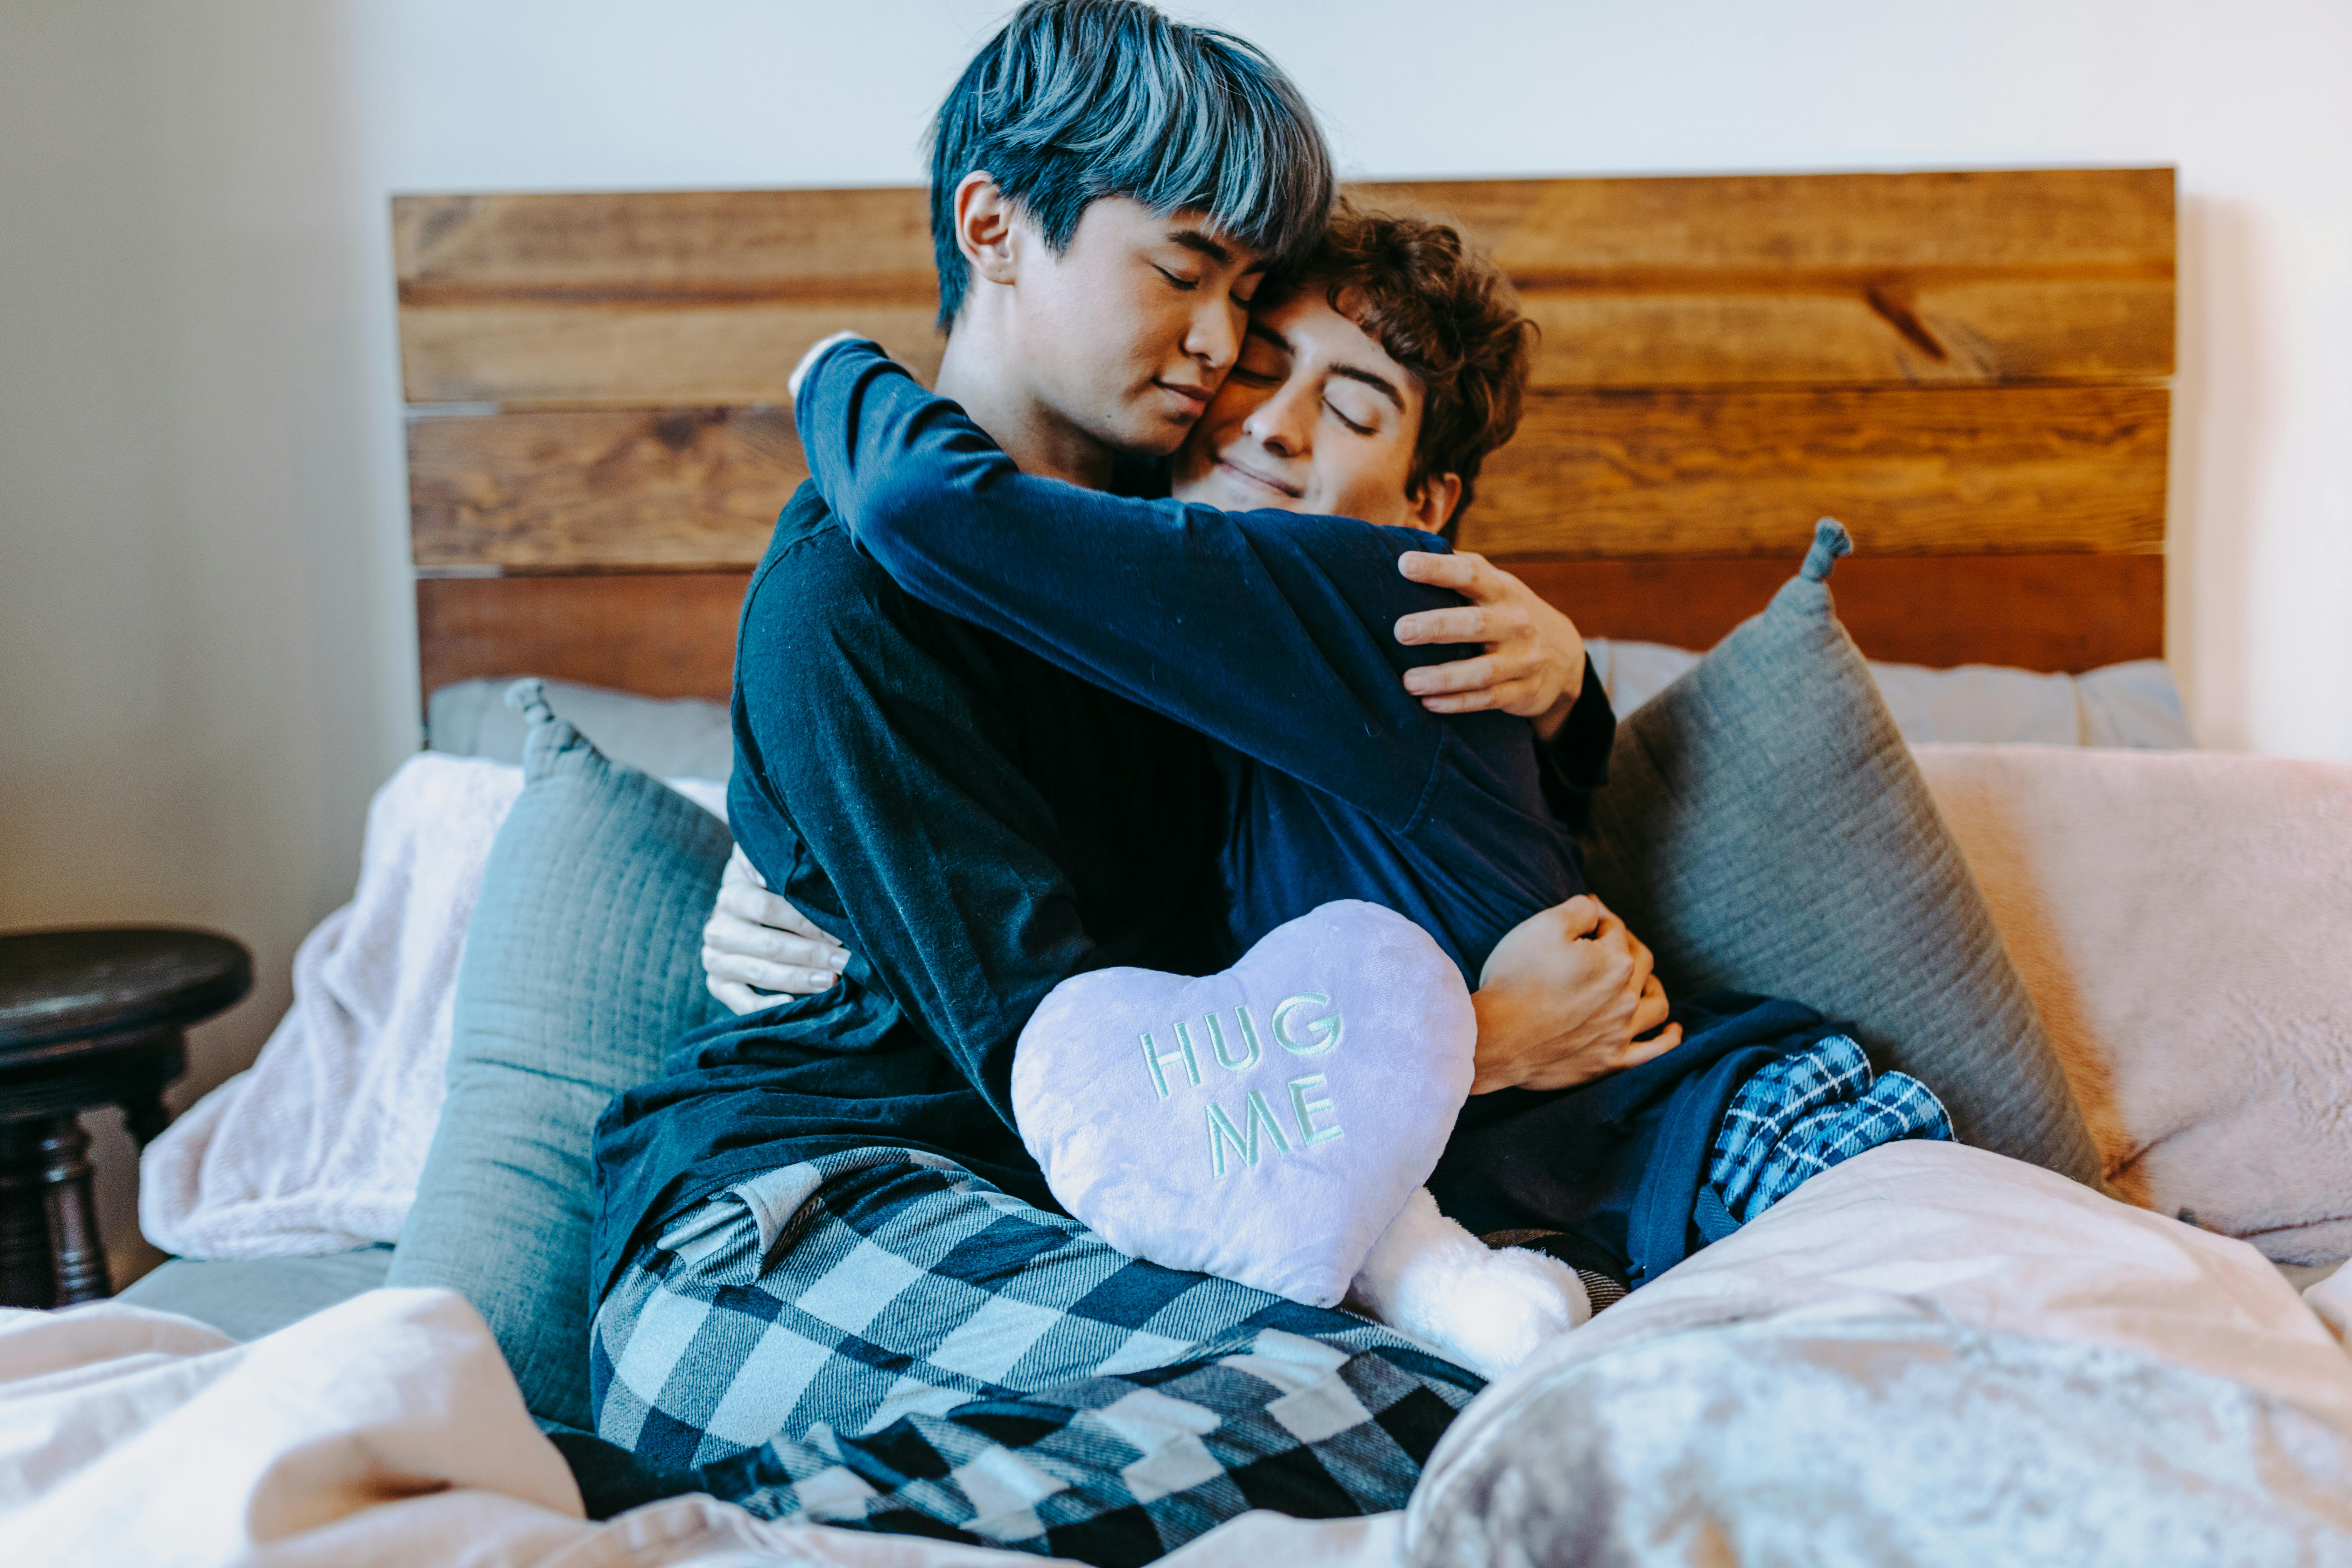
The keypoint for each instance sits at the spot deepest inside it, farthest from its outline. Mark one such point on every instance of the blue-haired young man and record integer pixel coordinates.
(830, 1278)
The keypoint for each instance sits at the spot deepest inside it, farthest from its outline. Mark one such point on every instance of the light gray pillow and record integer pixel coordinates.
(2132, 705)
(582, 965)
(682, 737)
(1765, 829)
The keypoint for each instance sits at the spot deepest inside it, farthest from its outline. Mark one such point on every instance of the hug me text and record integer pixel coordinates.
(1307, 1025)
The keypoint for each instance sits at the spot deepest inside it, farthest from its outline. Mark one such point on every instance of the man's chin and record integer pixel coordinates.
(1147, 437)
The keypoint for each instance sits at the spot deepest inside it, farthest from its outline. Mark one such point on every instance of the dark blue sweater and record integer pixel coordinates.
(1268, 632)
(953, 794)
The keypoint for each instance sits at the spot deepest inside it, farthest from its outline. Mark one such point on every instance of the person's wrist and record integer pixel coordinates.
(1495, 1059)
(1550, 721)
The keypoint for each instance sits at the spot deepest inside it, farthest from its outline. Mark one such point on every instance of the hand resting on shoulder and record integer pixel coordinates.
(1533, 666)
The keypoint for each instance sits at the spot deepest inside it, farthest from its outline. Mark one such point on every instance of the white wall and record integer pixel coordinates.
(206, 638)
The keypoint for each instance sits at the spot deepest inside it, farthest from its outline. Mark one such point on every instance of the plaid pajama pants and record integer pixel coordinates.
(1805, 1112)
(881, 1339)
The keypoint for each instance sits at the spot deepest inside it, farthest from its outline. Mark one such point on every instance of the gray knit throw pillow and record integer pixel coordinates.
(1764, 828)
(582, 965)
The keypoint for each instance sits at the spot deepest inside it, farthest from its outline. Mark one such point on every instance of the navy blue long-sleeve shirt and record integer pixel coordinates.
(1267, 632)
(980, 822)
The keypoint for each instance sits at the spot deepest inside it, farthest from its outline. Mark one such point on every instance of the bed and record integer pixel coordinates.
(1969, 369)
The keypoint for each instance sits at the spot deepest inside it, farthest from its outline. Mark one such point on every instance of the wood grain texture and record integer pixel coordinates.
(656, 634)
(656, 297)
(1912, 471)
(2033, 612)
(586, 491)
(603, 300)
(673, 634)
(2047, 274)
(2027, 471)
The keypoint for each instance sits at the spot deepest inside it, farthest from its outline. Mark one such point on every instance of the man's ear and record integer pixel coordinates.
(983, 226)
(1434, 507)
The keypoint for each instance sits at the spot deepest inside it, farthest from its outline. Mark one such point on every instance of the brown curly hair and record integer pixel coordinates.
(1444, 311)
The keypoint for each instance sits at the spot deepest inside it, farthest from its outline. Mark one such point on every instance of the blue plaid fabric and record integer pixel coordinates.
(881, 1339)
(1807, 1112)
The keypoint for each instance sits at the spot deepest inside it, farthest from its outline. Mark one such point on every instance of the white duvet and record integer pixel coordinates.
(2188, 1376)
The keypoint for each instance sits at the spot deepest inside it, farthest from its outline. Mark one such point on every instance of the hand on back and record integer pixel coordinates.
(1564, 999)
(756, 942)
(1533, 665)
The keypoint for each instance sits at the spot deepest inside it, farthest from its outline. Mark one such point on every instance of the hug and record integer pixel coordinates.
(1105, 729)
(1157, 844)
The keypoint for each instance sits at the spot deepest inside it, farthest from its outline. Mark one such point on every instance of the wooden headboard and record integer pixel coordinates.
(1969, 369)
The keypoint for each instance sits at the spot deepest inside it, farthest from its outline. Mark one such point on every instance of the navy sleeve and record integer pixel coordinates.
(1267, 631)
(1574, 762)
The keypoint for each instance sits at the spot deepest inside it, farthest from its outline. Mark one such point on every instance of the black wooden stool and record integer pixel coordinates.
(89, 1018)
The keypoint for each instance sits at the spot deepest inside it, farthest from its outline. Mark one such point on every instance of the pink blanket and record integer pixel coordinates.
(2184, 922)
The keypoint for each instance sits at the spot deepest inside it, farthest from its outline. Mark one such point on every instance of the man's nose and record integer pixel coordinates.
(1281, 424)
(1214, 337)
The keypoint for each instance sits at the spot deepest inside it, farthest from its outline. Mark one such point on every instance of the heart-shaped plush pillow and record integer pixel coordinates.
(1264, 1124)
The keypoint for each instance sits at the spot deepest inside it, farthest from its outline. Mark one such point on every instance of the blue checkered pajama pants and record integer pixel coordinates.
(1813, 1108)
(880, 1338)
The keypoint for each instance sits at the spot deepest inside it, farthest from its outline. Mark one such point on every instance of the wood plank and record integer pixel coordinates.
(672, 489)
(673, 634)
(2015, 275)
(663, 246)
(1913, 471)
(1872, 222)
(2033, 612)
(658, 634)
(537, 355)
(2031, 471)
(654, 298)
(709, 297)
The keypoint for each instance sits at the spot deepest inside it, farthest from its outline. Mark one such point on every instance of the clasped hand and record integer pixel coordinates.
(1566, 997)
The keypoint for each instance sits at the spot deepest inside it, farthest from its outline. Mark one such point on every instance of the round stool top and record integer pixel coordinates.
(72, 985)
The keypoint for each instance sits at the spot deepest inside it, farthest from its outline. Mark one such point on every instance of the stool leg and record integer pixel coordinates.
(73, 1214)
(27, 1276)
(145, 1118)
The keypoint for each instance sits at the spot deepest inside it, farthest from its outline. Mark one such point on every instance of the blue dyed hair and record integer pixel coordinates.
(1076, 100)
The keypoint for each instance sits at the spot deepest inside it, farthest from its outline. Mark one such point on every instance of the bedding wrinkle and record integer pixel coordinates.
(1985, 1363)
(1910, 1310)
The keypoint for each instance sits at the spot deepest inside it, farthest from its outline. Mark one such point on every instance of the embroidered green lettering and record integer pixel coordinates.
(1305, 1110)
(1223, 1130)
(1259, 1116)
(1153, 1057)
(1244, 1139)
(1249, 1040)
(1323, 1033)
(1249, 1031)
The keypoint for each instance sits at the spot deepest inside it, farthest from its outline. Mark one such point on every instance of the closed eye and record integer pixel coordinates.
(1358, 429)
(1185, 284)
